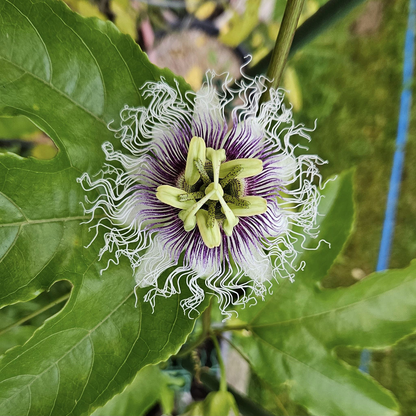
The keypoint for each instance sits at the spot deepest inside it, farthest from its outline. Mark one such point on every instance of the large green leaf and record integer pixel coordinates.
(16, 336)
(145, 391)
(295, 331)
(70, 76)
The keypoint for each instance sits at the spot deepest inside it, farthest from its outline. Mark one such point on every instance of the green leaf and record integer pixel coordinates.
(295, 331)
(139, 396)
(89, 351)
(16, 336)
(70, 76)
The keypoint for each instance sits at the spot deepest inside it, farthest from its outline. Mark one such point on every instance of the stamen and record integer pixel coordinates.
(191, 196)
(236, 188)
(236, 201)
(202, 172)
(170, 196)
(210, 235)
(197, 150)
(257, 206)
(250, 167)
(230, 176)
(211, 213)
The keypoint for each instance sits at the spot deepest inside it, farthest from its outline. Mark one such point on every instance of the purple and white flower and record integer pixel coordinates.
(222, 204)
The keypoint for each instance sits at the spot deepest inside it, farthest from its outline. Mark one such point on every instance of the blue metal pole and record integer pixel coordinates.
(396, 173)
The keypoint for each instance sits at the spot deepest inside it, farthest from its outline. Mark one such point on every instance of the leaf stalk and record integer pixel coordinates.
(223, 379)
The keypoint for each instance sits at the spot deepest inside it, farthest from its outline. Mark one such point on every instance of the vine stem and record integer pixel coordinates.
(226, 328)
(36, 313)
(282, 46)
(223, 380)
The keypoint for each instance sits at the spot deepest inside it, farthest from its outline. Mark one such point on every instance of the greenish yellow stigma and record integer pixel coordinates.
(213, 192)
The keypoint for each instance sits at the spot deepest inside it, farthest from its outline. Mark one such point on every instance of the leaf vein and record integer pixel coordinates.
(37, 33)
(350, 305)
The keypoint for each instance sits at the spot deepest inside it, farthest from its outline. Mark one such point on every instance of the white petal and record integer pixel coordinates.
(288, 168)
(207, 104)
(156, 260)
(255, 264)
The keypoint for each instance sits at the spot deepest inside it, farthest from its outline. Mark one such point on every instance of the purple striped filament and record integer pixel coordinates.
(222, 204)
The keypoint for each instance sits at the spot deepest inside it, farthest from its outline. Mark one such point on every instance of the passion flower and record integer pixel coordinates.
(220, 203)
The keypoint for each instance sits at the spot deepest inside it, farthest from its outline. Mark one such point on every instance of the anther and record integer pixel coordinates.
(190, 196)
(236, 201)
(235, 188)
(211, 213)
(171, 196)
(210, 235)
(230, 176)
(196, 151)
(257, 206)
(251, 167)
(202, 172)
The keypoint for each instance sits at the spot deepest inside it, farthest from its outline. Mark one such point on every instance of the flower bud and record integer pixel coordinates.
(195, 409)
(220, 403)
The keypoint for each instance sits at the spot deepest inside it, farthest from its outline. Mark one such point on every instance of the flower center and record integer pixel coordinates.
(212, 192)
